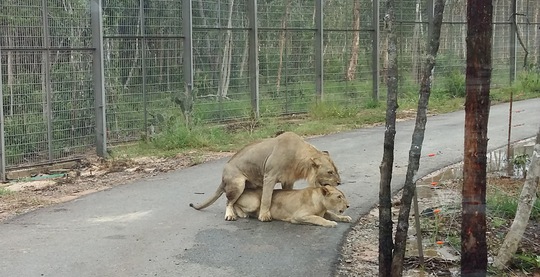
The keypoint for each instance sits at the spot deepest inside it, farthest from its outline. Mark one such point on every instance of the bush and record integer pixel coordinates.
(454, 84)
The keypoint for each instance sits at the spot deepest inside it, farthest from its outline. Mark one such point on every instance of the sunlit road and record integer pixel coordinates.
(146, 228)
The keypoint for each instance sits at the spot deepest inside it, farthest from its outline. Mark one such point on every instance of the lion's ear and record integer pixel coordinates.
(325, 190)
(316, 162)
(326, 153)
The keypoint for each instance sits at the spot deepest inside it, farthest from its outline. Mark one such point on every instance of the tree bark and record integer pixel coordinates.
(353, 61)
(225, 73)
(387, 164)
(416, 49)
(477, 104)
(10, 73)
(282, 38)
(523, 212)
(415, 151)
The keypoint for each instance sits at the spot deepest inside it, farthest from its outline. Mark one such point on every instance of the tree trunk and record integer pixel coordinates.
(387, 164)
(353, 61)
(245, 58)
(523, 212)
(416, 49)
(473, 228)
(135, 57)
(207, 53)
(282, 38)
(10, 74)
(415, 151)
(225, 73)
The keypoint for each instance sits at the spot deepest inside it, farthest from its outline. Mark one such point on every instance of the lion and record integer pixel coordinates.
(318, 206)
(283, 159)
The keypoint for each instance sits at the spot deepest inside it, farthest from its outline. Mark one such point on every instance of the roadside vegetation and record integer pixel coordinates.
(441, 225)
(334, 114)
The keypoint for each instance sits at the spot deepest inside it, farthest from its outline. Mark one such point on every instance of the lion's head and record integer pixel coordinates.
(326, 173)
(334, 199)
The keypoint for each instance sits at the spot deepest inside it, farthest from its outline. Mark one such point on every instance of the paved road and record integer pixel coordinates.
(147, 229)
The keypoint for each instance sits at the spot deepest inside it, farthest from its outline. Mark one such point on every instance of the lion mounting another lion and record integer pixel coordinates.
(283, 159)
(319, 206)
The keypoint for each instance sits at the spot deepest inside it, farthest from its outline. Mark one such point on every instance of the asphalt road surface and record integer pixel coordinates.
(146, 228)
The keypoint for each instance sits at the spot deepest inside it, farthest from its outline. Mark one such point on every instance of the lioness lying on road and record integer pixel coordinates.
(305, 206)
(284, 159)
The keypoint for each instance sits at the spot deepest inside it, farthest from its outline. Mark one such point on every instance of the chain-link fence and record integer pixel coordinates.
(46, 84)
(78, 75)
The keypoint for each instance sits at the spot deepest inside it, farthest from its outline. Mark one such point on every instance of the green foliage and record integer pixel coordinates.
(526, 261)
(528, 80)
(452, 85)
(520, 161)
(505, 206)
(4, 191)
(329, 110)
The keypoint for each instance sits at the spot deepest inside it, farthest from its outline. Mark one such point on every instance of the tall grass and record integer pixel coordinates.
(503, 205)
(345, 105)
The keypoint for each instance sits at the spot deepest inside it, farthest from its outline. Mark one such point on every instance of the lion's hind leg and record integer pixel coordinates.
(315, 220)
(248, 203)
(233, 190)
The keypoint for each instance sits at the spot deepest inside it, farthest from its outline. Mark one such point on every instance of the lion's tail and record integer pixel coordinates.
(211, 200)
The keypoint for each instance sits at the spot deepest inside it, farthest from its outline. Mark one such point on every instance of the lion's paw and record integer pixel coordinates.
(242, 214)
(265, 216)
(230, 216)
(331, 224)
(345, 218)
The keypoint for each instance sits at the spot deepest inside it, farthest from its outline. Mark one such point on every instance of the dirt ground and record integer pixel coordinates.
(89, 176)
(360, 249)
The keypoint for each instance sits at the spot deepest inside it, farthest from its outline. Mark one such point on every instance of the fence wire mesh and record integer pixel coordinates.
(46, 81)
(143, 66)
(47, 71)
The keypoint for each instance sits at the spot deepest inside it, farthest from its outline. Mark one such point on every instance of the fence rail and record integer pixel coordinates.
(79, 75)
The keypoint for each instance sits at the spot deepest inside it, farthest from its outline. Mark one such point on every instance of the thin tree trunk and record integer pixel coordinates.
(282, 38)
(353, 61)
(387, 164)
(207, 52)
(10, 74)
(523, 212)
(227, 56)
(416, 53)
(473, 228)
(245, 56)
(135, 58)
(415, 151)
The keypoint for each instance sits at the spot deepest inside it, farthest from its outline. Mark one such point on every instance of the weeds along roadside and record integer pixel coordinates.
(334, 114)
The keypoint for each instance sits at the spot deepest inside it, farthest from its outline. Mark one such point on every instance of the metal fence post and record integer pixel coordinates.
(513, 34)
(375, 55)
(2, 141)
(253, 58)
(99, 77)
(187, 28)
(319, 46)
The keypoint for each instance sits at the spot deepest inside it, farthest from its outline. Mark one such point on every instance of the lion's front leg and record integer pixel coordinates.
(266, 199)
(332, 216)
(315, 220)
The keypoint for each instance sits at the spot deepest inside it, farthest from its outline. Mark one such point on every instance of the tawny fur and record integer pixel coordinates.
(319, 206)
(284, 159)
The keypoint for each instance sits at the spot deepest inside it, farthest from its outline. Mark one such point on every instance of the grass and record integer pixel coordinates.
(346, 106)
(4, 191)
(502, 205)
